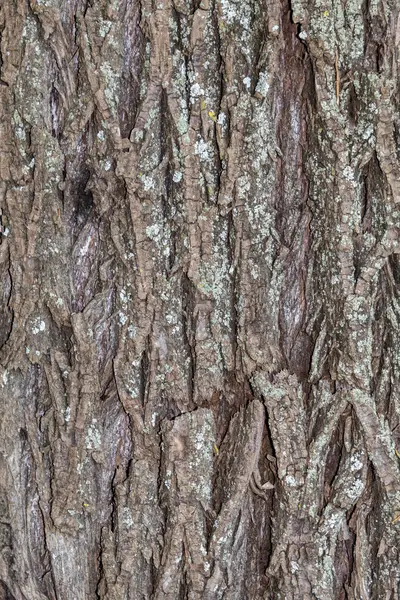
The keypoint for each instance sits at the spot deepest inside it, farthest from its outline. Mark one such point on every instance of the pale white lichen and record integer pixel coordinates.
(348, 173)
(111, 78)
(122, 318)
(221, 119)
(168, 477)
(127, 517)
(236, 12)
(104, 27)
(123, 295)
(148, 183)
(177, 176)
(38, 327)
(5, 377)
(93, 437)
(291, 481)
(195, 91)
(201, 149)
(247, 82)
(262, 84)
(153, 231)
(182, 124)
(132, 331)
(294, 567)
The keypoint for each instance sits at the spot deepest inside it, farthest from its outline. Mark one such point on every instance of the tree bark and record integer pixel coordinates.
(199, 381)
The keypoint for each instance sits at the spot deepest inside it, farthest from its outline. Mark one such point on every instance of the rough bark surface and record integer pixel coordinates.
(199, 303)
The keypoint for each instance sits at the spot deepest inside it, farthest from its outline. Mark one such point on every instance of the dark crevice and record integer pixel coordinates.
(333, 461)
(7, 319)
(55, 103)
(364, 200)
(5, 592)
(100, 570)
(174, 250)
(188, 332)
(271, 457)
(234, 287)
(153, 578)
(114, 504)
(354, 106)
(144, 374)
(165, 129)
(272, 451)
(235, 528)
(84, 197)
(184, 586)
(161, 465)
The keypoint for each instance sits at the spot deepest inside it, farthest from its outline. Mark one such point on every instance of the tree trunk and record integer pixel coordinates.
(200, 374)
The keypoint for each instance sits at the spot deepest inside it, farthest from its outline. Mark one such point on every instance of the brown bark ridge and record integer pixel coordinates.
(199, 381)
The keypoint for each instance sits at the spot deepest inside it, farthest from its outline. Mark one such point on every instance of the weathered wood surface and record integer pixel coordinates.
(199, 309)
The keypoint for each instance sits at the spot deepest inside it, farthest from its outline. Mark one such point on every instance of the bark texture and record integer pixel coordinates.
(199, 303)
